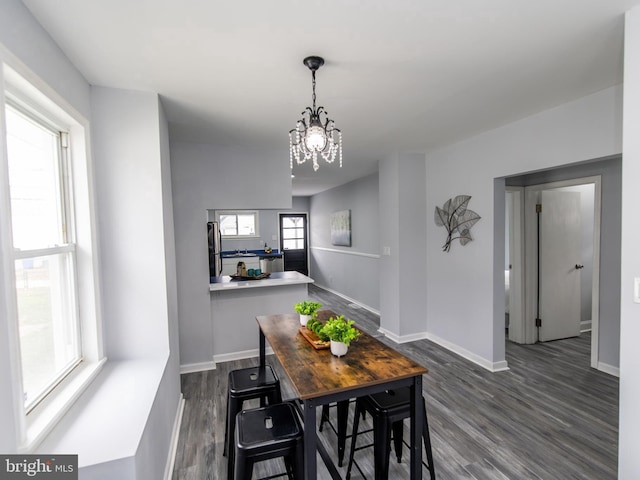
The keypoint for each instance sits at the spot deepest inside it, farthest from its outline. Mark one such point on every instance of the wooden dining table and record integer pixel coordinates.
(320, 378)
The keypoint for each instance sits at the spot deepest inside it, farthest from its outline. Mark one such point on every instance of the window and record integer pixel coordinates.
(243, 223)
(47, 218)
(44, 253)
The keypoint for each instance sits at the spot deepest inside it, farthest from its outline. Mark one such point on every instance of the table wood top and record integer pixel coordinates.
(315, 373)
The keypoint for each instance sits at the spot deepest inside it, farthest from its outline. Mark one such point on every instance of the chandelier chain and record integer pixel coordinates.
(313, 83)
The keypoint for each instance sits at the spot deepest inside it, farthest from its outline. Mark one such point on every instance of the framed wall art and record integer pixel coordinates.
(341, 228)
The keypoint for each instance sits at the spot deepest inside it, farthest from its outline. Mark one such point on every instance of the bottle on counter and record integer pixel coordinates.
(241, 269)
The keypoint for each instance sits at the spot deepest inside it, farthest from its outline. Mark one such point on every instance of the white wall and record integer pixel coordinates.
(126, 143)
(352, 270)
(28, 49)
(134, 211)
(208, 177)
(629, 460)
(23, 37)
(461, 307)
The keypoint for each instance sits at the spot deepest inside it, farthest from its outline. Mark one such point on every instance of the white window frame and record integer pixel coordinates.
(24, 89)
(256, 220)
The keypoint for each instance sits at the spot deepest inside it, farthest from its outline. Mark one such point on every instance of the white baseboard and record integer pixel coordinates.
(403, 338)
(349, 299)
(585, 326)
(458, 350)
(197, 367)
(225, 357)
(500, 366)
(230, 357)
(610, 369)
(175, 436)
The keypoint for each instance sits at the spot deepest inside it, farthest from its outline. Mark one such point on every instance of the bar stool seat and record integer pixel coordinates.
(269, 432)
(388, 409)
(247, 384)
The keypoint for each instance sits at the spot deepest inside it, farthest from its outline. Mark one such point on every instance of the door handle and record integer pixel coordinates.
(579, 267)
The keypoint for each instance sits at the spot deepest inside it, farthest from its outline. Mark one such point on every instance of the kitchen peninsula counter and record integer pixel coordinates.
(276, 279)
(235, 304)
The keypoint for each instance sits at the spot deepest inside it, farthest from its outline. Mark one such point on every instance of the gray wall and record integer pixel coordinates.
(351, 271)
(610, 170)
(207, 177)
(465, 287)
(403, 266)
(629, 460)
(300, 204)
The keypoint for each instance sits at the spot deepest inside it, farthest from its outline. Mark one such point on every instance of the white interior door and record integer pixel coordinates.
(560, 223)
(515, 270)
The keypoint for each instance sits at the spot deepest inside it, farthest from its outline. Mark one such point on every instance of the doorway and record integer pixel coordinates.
(576, 268)
(294, 242)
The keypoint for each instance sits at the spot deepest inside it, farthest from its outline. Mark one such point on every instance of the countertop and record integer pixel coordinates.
(257, 253)
(275, 279)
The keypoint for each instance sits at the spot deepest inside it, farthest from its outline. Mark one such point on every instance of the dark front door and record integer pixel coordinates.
(293, 241)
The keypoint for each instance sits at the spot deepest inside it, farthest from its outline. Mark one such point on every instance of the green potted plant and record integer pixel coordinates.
(341, 333)
(307, 310)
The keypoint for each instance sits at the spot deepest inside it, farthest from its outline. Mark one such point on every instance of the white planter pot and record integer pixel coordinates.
(338, 348)
(304, 319)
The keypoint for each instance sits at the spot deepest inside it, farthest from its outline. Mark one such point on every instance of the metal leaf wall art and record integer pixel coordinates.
(457, 219)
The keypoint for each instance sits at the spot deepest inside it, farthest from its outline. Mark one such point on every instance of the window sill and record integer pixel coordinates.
(43, 419)
(107, 423)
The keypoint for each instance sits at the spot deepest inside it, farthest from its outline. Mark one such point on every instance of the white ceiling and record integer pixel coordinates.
(400, 75)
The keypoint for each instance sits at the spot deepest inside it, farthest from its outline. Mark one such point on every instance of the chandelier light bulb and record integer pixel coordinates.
(315, 139)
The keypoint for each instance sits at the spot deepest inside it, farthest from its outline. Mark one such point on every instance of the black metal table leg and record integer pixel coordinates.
(416, 428)
(310, 461)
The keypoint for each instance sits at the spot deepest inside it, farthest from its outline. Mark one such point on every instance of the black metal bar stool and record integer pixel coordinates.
(247, 384)
(343, 414)
(388, 410)
(268, 432)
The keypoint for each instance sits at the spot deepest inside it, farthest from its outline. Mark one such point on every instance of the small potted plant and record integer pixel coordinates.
(341, 333)
(307, 310)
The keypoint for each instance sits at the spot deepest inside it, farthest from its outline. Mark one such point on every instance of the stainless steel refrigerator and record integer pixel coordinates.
(215, 242)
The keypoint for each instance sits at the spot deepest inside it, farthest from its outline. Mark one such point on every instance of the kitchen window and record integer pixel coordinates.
(47, 224)
(236, 224)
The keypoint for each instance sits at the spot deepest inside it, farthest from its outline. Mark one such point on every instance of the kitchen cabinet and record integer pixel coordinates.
(230, 265)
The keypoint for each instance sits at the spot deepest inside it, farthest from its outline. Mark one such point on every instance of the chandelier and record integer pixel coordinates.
(315, 133)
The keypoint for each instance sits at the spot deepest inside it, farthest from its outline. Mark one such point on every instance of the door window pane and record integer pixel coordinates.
(294, 244)
(293, 233)
(291, 222)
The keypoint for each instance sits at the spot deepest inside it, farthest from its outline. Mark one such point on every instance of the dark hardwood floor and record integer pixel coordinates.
(550, 417)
